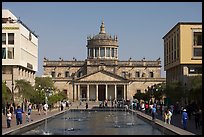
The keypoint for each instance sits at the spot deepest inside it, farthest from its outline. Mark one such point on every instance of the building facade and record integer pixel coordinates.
(183, 52)
(102, 76)
(19, 51)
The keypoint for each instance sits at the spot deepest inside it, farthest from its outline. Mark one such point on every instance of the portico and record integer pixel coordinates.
(110, 87)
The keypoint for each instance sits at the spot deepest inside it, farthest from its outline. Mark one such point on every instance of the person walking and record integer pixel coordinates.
(184, 119)
(87, 105)
(169, 115)
(8, 118)
(165, 116)
(28, 116)
(153, 113)
(45, 108)
(197, 118)
(19, 112)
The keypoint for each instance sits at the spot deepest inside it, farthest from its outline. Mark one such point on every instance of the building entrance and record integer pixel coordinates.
(101, 92)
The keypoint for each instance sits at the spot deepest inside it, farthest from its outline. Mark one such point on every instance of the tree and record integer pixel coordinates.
(195, 88)
(25, 89)
(42, 84)
(175, 91)
(142, 96)
(6, 94)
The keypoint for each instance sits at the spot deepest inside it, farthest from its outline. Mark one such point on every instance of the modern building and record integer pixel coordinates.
(102, 76)
(19, 51)
(183, 52)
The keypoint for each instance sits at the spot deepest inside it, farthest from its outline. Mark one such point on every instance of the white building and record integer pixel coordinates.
(19, 51)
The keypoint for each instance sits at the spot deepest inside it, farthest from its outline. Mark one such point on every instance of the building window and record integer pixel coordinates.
(137, 74)
(197, 44)
(3, 53)
(112, 52)
(53, 74)
(115, 52)
(80, 74)
(197, 52)
(151, 74)
(195, 70)
(67, 74)
(59, 75)
(102, 53)
(124, 74)
(91, 52)
(3, 38)
(96, 52)
(138, 91)
(107, 52)
(10, 53)
(11, 38)
(143, 75)
(197, 39)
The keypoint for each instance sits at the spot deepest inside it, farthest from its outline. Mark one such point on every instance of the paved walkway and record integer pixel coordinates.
(176, 119)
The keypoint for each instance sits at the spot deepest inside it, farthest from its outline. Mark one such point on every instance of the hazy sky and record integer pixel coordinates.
(63, 27)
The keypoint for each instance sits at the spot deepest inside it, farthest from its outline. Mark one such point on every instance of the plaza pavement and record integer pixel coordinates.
(176, 119)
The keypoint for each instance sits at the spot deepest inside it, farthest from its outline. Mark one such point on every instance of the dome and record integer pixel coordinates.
(102, 36)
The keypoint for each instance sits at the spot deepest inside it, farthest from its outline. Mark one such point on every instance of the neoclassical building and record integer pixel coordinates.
(102, 75)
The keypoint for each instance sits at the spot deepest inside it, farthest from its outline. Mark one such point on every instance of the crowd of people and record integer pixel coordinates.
(186, 112)
(19, 111)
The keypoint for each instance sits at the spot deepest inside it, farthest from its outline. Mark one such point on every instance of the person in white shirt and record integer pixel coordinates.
(45, 107)
(169, 115)
(9, 117)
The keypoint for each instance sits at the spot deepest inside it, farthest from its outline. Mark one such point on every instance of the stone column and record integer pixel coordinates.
(105, 52)
(124, 91)
(87, 93)
(97, 92)
(78, 92)
(94, 52)
(106, 92)
(115, 92)
(74, 94)
(99, 52)
(127, 95)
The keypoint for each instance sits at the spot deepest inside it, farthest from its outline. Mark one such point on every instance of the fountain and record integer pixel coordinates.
(96, 125)
(46, 132)
(131, 123)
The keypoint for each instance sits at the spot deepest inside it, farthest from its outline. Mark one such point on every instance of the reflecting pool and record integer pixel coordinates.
(96, 123)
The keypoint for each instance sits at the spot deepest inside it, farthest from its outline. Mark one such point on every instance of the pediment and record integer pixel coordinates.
(102, 76)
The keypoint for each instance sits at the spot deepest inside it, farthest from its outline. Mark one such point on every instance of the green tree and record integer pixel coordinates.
(42, 86)
(159, 91)
(195, 89)
(25, 89)
(142, 96)
(175, 92)
(6, 94)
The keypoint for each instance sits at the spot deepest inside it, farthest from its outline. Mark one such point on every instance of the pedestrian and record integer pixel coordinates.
(197, 118)
(146, 107)
(28, 115)
(11, 109)
(45, 108)
(86, 105)
(184, 119)
(39, 106)
(61, 105)
(165, 116)
(19, 112)
(169, 115)
(153, 113)
(8, 118)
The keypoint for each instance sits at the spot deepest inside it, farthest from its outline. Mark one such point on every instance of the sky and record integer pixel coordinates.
(63, 27)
